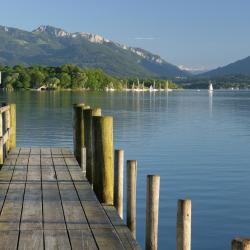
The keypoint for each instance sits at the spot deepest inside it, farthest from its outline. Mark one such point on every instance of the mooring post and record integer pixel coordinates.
(78, 130)
(12, 140)
(88, 140)
(103, 174)
(183, 240)
(240, 244)
(152, 211)
(1, 140)
(83, 160)
(118, 181)
(131, 195)
(4, 129)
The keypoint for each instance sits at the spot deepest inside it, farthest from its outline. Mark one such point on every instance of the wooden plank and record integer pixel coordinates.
(46, 161)
(45, 151)
(11, 212)
(71, 161)
(73, 211)
(14, 151)
(82, 239)
(24, 151)
(56, 239)
(5, 178)
(31, 239)
(35, 151)
(34, 160)
(107, 238)
(9, 240)
(121, 229)
(67, 152)
(59, 161)
(52, 209)
(22, 160)
(32, 204)
(56, 151)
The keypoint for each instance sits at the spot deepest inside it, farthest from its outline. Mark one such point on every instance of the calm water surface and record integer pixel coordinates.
(198, 144)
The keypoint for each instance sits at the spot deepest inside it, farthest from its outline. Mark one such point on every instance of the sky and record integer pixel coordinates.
(195, 33)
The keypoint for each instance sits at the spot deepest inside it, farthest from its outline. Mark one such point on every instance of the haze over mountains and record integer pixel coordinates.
(48, 45)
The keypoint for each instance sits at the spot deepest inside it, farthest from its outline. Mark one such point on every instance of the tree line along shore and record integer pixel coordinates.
(72, 77)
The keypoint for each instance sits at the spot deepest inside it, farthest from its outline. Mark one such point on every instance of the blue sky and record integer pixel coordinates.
(194, 33)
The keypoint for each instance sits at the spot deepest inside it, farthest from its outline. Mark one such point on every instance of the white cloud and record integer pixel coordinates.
(145, 38)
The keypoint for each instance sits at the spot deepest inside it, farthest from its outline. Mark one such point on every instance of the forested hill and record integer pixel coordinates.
(51, 46)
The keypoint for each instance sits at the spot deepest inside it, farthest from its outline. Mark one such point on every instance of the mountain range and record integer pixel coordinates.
(52, 46)
(240, 67)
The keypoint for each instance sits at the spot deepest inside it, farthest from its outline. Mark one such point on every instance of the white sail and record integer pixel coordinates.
(210, 87)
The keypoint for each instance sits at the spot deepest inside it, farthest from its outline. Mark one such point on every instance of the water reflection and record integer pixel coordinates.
(210, 99)
(170, 134)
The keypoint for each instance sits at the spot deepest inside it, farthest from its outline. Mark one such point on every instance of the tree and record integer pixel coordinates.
(37, 79)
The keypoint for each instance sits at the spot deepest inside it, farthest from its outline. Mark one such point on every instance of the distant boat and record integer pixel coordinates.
(152, 89)
(110, 87)
(210, 88)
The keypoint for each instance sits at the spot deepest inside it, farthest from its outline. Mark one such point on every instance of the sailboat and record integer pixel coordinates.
(153, 89)
(210, 88)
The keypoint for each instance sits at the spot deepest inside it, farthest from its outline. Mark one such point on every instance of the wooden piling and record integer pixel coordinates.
(12, 140)
(183, 240)
(4, 129)
(152, 211)
(78, 130)
(1, 141)
(103, 174)
(131, 195)
(240, 244)
(83, 160)
(88, 140)
(118, 181)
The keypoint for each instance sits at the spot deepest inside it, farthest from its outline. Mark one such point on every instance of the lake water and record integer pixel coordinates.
(199, 144)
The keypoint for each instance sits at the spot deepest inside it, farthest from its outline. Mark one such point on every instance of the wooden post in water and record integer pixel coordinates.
(118, 181)
(240, 244)
(12, 141)
(152, 211)
(183, 240)
(4, 129)
(131, 195)
(83, 160)
(78, 130)
(1, 141)
(88, 140)
(103, 178)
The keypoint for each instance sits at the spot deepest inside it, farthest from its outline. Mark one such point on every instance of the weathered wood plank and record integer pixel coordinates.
(56, 151)
(122, 230)
(45, 151)
(31, 239)
(35, 151)
(52, 208)
(34, 160)
(32, 218)
(14, 151)
(47, 192)
(11, 212)
(56, 239)
(67, 152)
(82, 239)
(9, 240)
(24, 151)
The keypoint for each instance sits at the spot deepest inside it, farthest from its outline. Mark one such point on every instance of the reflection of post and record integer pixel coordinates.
(210, 101)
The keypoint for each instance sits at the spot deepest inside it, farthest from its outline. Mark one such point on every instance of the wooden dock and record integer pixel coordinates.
(46, 202)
